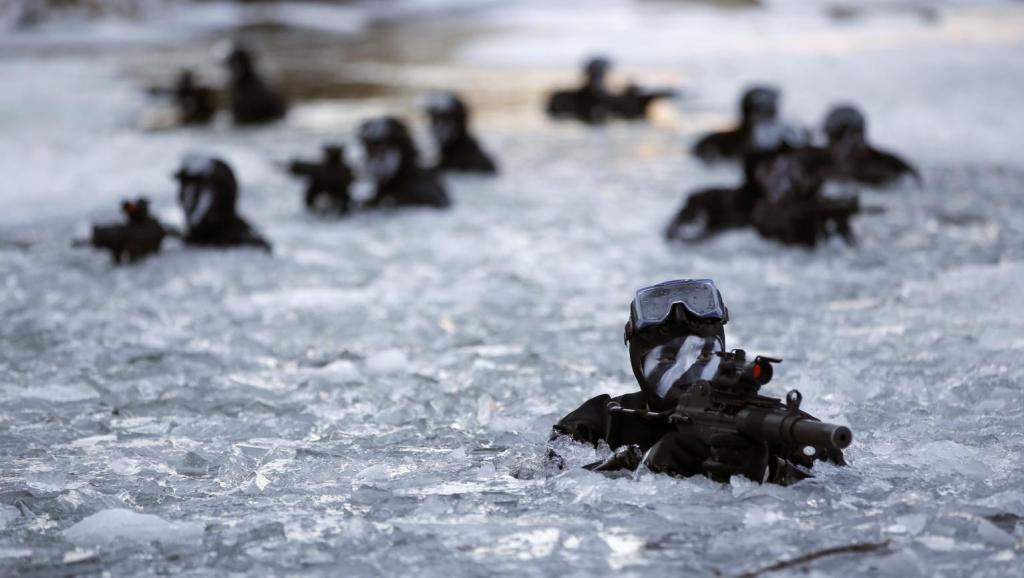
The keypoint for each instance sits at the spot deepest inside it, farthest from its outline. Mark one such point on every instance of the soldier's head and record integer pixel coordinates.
(186, 80)
(207, 192)
(846, 128)
(449, 116)
(240, 62)
(759, 104)
(388, 145)
(673, 331)
(595, 70)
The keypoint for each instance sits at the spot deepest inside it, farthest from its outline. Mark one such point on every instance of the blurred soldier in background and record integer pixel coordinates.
(782, 195)
(208, 193)
(194, 103)
(850, 155)
(593, 103)
(590, 103)
(392, 162)
(449, 123)
(252, 101)
(138, 237)
(327, 189)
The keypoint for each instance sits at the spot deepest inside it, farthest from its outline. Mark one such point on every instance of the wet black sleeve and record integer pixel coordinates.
(586, 423)
(589, 423)
(717, 146)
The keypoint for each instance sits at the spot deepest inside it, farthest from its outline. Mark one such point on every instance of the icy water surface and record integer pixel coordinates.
(375, 398)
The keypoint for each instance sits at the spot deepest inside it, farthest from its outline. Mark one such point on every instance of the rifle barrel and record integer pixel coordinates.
(792, 429)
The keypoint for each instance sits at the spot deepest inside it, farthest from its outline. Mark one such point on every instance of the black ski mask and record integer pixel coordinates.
(674, 330)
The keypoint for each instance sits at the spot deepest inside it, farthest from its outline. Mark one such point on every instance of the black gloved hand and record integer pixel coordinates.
(624, 458)
(733, 454)
(677, 454)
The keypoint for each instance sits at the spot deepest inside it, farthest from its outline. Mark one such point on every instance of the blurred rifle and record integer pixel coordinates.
(139, 236)
(328, 180)
(634, 100)
(730, 403)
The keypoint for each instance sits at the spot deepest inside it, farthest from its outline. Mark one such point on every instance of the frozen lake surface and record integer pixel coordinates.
(375, 398)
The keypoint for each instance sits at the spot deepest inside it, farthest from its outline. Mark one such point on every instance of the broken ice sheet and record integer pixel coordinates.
(110, 527)
(195, 465)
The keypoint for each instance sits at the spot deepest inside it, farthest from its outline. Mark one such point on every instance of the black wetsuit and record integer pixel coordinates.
(716, 210)
(231, 232)
(411, 186)
(254, 102)
(873, 167)
(465, 154)
(723, 145)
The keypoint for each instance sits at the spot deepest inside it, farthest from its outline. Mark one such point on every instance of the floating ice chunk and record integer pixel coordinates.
(912, 523)
(78, 555)
(125, 467)
(763, 517)
(994, 535)
(46, 482)
(93, 440)
(61, 393)
(374, 473)
(938, 543)
(195, 465)
(485, 407)
(257, 484)
(387, 362)
(8, 514)
(904, 564)
(341, 371)
(116, 525)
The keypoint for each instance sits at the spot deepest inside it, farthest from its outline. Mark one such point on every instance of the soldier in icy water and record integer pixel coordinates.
(759, 104)
(676, 339)
(252, 101)
(392, 163)
(194, 102)
(327, 182)
(593, 103)
(850, 155)
(458, 150)
(782, 195)
(710, 211)
(208, 193)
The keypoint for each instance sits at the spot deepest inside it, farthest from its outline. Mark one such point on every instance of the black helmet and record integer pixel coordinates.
(445, 103)
(240, 61)
(597, 65)
(844, 120)
(681, 314)
(759, 103)
(207, 193)
(390, 150)
(384, 130)
(448, 116)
